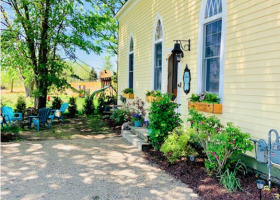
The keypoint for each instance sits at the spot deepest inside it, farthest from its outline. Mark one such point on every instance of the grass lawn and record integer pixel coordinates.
(86, 127)
(11, 100)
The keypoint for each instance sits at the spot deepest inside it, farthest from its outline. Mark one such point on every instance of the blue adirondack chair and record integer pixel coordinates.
(62, 110)
(10, 115)
(42, 118)
(3, 121)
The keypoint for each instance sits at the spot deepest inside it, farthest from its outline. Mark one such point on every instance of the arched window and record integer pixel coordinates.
(158, 55)
(212, 48)
(130, 63)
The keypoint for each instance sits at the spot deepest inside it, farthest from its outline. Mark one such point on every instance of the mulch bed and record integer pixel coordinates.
(111, 123)
(207, 187)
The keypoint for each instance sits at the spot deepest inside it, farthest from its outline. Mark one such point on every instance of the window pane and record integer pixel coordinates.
(131, 48)
(212, 73)
(212, 39)
(213, 7)
(158, 66)
(131, 80)
(131, 62)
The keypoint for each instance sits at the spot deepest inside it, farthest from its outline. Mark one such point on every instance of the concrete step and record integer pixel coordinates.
(136, 141)
(141, 132)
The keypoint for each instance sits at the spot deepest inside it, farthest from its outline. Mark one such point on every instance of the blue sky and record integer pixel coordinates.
(94, 60)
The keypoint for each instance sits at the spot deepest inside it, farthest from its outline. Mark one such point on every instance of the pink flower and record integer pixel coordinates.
(233, 141)
(217, 157)
(218, 130)
(213, 153)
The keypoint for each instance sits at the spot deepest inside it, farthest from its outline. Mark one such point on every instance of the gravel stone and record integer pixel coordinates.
(84, 169)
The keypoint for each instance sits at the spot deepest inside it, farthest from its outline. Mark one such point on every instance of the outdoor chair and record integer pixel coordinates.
(3, 121)
(61, 110)
(42, 118)
(10, 115)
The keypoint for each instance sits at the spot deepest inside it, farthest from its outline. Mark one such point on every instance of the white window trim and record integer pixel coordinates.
(202, 22)
(128, 54)
(154, 42)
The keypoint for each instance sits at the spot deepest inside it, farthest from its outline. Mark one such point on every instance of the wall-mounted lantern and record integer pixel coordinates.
(178, 46)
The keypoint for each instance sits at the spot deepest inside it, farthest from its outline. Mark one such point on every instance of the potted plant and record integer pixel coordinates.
(128, 93)
(153, 95)
(206, 102)
(137, 119)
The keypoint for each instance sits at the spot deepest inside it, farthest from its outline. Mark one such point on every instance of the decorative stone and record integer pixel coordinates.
(126, 126)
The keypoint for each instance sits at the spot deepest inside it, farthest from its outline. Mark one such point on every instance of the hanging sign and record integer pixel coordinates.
(187, 80)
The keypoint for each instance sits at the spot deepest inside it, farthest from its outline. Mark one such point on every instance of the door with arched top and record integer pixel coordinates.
(172, 79)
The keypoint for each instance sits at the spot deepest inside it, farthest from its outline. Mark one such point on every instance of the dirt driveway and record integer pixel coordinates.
(83, 169)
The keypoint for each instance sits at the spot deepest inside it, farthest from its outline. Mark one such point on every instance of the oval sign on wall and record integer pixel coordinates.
(187, 80)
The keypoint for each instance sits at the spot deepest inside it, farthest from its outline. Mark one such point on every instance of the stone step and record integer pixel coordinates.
(141, 132)
(136, 141)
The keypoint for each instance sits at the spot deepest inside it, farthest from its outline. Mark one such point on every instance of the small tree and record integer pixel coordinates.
(72, 107)
(21, 105)
(88, 106)
(56, 104)
(93, 75)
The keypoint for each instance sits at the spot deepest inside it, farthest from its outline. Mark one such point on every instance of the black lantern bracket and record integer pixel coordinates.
(185, 47)
(179, 46)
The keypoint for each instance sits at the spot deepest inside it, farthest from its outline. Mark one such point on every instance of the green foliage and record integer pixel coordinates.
(194, 98)
(205, 98)
(93, 75)
(107, 64)
(221, 144)
(225, 146)
(163, 119)
(128, 91)
(36, 40)
(56, 104)
(21, 105)
(177, 145)
(72, 107)
(120, 116)
(154, 93)
(101, 103)
(88, 106)
(228, 179)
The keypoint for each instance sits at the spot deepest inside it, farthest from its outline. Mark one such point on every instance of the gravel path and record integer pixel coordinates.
(83, 169)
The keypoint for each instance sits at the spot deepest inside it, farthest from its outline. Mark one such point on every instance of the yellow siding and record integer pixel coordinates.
(251, 97)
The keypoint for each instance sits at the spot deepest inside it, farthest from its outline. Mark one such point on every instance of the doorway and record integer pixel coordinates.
(172, 78)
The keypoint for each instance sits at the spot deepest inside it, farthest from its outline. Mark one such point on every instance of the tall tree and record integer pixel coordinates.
(45, 32)
(107, 34)
(93, 75)
(107, 64)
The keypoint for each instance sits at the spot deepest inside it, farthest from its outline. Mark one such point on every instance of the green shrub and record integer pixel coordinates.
(120, 116)
(177, 145)
(88, 106)
(221, 144)
(225, 146)
(56, 104)
(228, 179)
(101, 103)
(163, 119)
(21, 105)
(72, 107)
(128, 91)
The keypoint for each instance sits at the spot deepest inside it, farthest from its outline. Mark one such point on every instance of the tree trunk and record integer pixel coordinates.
(28, 89)
(12, 86)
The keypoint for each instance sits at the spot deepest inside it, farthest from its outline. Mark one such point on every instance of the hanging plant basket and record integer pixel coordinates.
(128, 96)
(206, 107)
(150, 99)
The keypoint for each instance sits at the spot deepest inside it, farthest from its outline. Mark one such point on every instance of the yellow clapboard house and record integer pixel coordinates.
(234, 52)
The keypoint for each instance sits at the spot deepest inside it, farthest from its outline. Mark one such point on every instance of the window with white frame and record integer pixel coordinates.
(211, 56)
(158, 56)
(130, 63)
